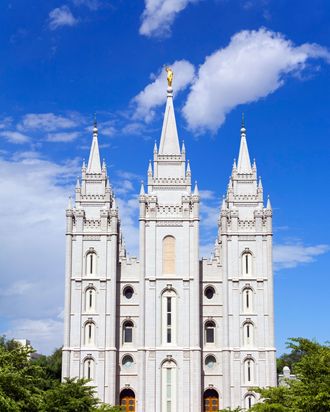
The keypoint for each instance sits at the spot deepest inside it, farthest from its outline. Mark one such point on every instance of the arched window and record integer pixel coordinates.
(90, 299)
(91, 262)
(250, 400)
(209, 332)
(89, 333)
(89, 368)
(247, 263)
(169, 255)
(210, 361)
(247, 300)
(127, 361)
(128, 332)
(248, 334)
(169, 389)
(169, 307)
(249, 371)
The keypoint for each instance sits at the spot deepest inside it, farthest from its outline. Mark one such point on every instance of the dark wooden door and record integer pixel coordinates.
(211, 403)
(128, 402)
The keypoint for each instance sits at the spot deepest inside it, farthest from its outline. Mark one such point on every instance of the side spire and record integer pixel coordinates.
(244, 163)
(94, 162)
(169, 141)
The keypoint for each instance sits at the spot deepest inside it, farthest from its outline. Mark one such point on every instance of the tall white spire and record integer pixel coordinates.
(169, 141)
(244, 163)
(94, 162)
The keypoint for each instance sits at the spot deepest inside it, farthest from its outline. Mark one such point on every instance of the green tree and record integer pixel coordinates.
(52, 365)
(310, 392)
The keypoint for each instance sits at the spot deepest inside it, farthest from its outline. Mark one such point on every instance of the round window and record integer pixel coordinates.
(209, 292)
(127, 361)
(128, 292)
(210, 361)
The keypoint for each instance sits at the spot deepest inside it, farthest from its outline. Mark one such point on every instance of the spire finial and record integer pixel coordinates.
(70, 203)
(142, 192)
(95, 121)
(242, 119)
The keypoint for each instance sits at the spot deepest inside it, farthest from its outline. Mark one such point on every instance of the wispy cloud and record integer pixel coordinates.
(15, 137)
(158, 16)
(62, 136)
(47, 122)
(253, 65)
(290, 255)
(61, 17)
(44, 186)
(154, 94)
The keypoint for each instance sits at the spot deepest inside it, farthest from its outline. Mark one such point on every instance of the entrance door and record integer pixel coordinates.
(211, 401)
(127, 400)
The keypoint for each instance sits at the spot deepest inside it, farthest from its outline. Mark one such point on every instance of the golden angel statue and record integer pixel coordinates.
(169, 76)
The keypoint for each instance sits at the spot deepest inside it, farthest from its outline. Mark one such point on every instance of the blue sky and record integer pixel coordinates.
(61, 61)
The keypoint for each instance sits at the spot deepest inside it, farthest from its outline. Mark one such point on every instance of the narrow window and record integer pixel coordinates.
(90, 300)
(169, 317)
(209, 332)
(89, 369)
(247, 300)
(89, 333)
(249, 370)
(91, 263)
(247, 264)
(249, 402)
(169, 389)
(128, 332)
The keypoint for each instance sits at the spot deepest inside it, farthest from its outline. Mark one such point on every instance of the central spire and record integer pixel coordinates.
(94, 163)
(169, 141)
(243, 164)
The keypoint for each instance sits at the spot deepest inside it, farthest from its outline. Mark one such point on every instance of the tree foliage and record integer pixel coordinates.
(28, 385)
(310, 392)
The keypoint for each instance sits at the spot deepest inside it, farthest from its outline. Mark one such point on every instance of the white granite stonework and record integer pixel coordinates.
(168, 330)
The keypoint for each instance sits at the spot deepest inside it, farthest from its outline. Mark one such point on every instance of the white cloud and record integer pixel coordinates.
(33, 197)
(154, 94)
(291, 255)
(60, 17)
(91, 4)
(45, 334)
(17, 288)
(15, 137)
(158, 16)
(47, 122)
(62, 136)
(253, 65)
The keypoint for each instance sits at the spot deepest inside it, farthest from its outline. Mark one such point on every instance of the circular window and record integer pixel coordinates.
(209, 292)
(128, 292)
(127, 361)
(210, 361)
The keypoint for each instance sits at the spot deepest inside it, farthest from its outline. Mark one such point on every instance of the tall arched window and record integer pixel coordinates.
(169, 255)
(128, 331)
(169, 387)
(250, 400)
(210, 331)
(91, 260)
(247, 300)
(247, 263)
(249, 371)
(89, 368)
(89, 333)
(248, 334)
(169, 308)
(90, 300)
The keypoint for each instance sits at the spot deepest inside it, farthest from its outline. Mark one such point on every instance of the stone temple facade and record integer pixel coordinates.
(168, 331)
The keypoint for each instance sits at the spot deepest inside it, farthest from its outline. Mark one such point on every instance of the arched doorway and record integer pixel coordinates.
(127, 400)
(211, 400)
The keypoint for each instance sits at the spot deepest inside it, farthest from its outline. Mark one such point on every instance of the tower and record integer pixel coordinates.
(244, 255)
(92, 247)
(169, 284)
